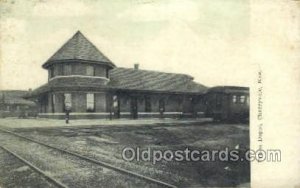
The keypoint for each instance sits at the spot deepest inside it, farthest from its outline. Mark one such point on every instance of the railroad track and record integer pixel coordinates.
(36, 169)
(88, 159)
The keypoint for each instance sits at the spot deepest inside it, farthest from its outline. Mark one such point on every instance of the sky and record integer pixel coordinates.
(207, 39)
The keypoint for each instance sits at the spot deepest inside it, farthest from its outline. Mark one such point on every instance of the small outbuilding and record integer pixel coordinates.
(13, 104)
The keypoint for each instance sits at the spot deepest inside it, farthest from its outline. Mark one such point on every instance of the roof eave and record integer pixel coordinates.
(159, 91)
(106, 63)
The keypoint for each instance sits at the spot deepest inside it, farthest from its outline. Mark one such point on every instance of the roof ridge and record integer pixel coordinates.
(76, 44)
(156, 71)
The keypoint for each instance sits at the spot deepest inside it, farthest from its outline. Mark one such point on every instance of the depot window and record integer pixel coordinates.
(234, 98)
(90, 102)
(67, 101)
(90, 71)
(242, 99)
(161, 105)
(67, 69)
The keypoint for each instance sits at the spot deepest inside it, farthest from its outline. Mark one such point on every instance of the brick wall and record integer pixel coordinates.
(100, 71)
(173, 103)
(79, 103)
(59, 102)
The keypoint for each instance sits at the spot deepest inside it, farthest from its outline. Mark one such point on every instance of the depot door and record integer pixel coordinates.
(134, 108)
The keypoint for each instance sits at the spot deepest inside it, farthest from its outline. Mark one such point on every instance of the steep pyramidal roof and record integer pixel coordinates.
(79, 48)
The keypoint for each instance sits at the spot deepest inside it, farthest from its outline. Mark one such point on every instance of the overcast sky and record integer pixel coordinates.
(207, 39)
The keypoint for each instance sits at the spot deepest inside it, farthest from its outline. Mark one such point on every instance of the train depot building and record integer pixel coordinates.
(85, 82)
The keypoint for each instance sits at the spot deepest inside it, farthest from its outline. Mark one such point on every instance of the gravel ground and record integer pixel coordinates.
(107, 142)
(14, 173)
(67, 169)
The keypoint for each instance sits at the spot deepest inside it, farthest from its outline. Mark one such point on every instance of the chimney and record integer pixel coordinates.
(136, 66)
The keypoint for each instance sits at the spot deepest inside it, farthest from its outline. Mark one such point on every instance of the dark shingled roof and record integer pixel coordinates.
(79, 48)
(135, 79)
(129, 79)
(14, 97)
(66, 83)
(229, 89)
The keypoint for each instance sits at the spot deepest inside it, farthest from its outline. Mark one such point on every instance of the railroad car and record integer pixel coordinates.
(228, 103)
